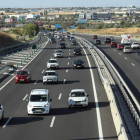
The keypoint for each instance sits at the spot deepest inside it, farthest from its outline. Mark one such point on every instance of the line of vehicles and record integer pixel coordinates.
(39, 101)
(125, 44)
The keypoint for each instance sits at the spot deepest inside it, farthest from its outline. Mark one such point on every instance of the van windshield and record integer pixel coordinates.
(38, 98)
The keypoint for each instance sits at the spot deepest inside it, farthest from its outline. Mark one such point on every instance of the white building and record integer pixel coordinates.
(82, 16)
(88, 15)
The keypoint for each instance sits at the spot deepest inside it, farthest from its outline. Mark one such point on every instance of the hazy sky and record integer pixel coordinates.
(66, 3)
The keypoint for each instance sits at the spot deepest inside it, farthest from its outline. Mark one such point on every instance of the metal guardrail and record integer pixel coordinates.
(3, 69)
(132, 102)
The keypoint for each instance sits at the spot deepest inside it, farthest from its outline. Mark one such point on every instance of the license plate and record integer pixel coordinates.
(49, 80)
(21, 79)
(52, 66)
(78, 66)
(37, 110)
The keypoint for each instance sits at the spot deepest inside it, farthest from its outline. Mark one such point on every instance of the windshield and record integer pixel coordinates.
(58, 51)
(78, 61)
(50, 73)
(22, 73)
(127, 47)
(77, 94)
(136, 43)
(52, 61)
(62, 44)
(38, 98)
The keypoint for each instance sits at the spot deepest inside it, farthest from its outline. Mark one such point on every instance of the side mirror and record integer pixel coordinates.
(56, 74)
(27, 100)
(87, 95)
(50, 100)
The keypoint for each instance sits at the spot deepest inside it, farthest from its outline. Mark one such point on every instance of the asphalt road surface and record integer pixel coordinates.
(62, 123)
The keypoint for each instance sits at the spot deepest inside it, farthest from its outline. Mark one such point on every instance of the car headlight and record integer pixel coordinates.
(28, 77)
(71, 100)
(74, 64)
(16, 77)
(30, 105)
(46, 105)
(84, 100)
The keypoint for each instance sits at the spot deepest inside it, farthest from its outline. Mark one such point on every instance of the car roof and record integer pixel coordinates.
(39, 91)
(23, 70)
(78, 59)
(53, 59)
(74, 90)
(50, 71)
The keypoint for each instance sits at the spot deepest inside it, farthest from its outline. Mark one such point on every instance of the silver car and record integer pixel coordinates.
(127, 49)
(58, 53)
(135, 45)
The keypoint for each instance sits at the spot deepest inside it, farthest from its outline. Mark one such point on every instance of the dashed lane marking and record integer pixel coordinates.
(7, 122)
(64, 81)
(59, 96)
(25, 97)
(52, 122)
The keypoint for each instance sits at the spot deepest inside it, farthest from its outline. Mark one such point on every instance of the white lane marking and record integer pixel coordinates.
(119, 53)
(7, 122)
(36, 81)
(125, 58)
(25, 97)
(53, 119)
(67, 70)
(68, 63)
(133, 64)
(106, 45)
(96, 99)
(24, 66)
(43, 71)
(8, 73)
(64, 81)
(69, 53)
(69, 58)
(69, 50)
(114, 50)
(59, 96)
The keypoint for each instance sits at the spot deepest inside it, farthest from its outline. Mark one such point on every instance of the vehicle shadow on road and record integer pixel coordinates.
(20, 120)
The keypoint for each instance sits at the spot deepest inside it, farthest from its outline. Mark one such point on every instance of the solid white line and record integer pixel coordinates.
(69, 50)
(25, 97)
(133, 64)
(67, 70)
(8, 73)
(36, 81)
(64, 81)
(68, 63)
(119, 53)
(59, 96)
(25, 65)
(43, 71)
(69, 58)
(53, 119)
(7, 122)
(96, 99)
(69, 53)
(125, 58)
(114, 50)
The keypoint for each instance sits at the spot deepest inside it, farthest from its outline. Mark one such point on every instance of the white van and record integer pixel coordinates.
(1, 112)
(126, 39)
(39, 102)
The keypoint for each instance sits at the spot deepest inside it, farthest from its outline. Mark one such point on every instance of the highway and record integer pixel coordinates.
(62, 123)
(128, 64)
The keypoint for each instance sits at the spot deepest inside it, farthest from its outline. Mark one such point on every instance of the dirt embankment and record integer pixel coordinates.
(135, 32)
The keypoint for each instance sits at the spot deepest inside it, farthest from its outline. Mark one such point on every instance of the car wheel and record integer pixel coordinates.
(43, 83)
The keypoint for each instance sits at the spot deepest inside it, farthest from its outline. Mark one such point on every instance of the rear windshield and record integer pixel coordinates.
(113, 42)
(127, 47)
(38, 98)
(52, 61)
(58, 51)
(136, 43)
(63, 44)
(78, 61)
(77, 94)
(22, 73)
(50, 73)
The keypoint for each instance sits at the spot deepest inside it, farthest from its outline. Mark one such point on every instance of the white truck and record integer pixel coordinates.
(126, 39)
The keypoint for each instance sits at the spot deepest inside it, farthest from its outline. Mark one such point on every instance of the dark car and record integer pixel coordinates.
(77, 51)
(98, 42)
(73, 42)
(62, 39)
(78, 63)
(52, 40)
(95, 37)
(68, 36)
(71, 38)
(62, 45)
(112, 38)
(107, 40)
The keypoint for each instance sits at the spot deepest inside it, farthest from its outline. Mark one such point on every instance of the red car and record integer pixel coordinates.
(95, 37)
(120, 46)
(23, 76)
(113, 44)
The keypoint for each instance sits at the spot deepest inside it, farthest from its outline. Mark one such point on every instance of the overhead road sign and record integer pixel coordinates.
(72, 27)
(63, 29)
(82, 21)
(57, 25)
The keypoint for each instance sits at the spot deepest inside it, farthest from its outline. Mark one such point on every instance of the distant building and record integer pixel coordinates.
(88, 15)
(94, 16)
(82, 16)
(104, 16)
(51, 17)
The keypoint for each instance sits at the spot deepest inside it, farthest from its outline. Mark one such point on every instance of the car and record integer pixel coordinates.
(135, 45)
(50, 77)
(95, 37)
(52, 40)
(67, 36)
(62, 45)
(107, 40)
(78, 63)
(78, 97)
(62, 39)
(112, 38)
(120, 46)
(77, 51)
(127, 49)
(71, 38)
(57, 36)
(98, 42)
(39, 102)
(73, 42)
(58, 53)
(22, 76)
(113, 44)
(1, 112)
(52, 63)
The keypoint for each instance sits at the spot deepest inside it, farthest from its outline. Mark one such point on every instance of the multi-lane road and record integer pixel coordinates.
(127, 64)
(62, 123)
